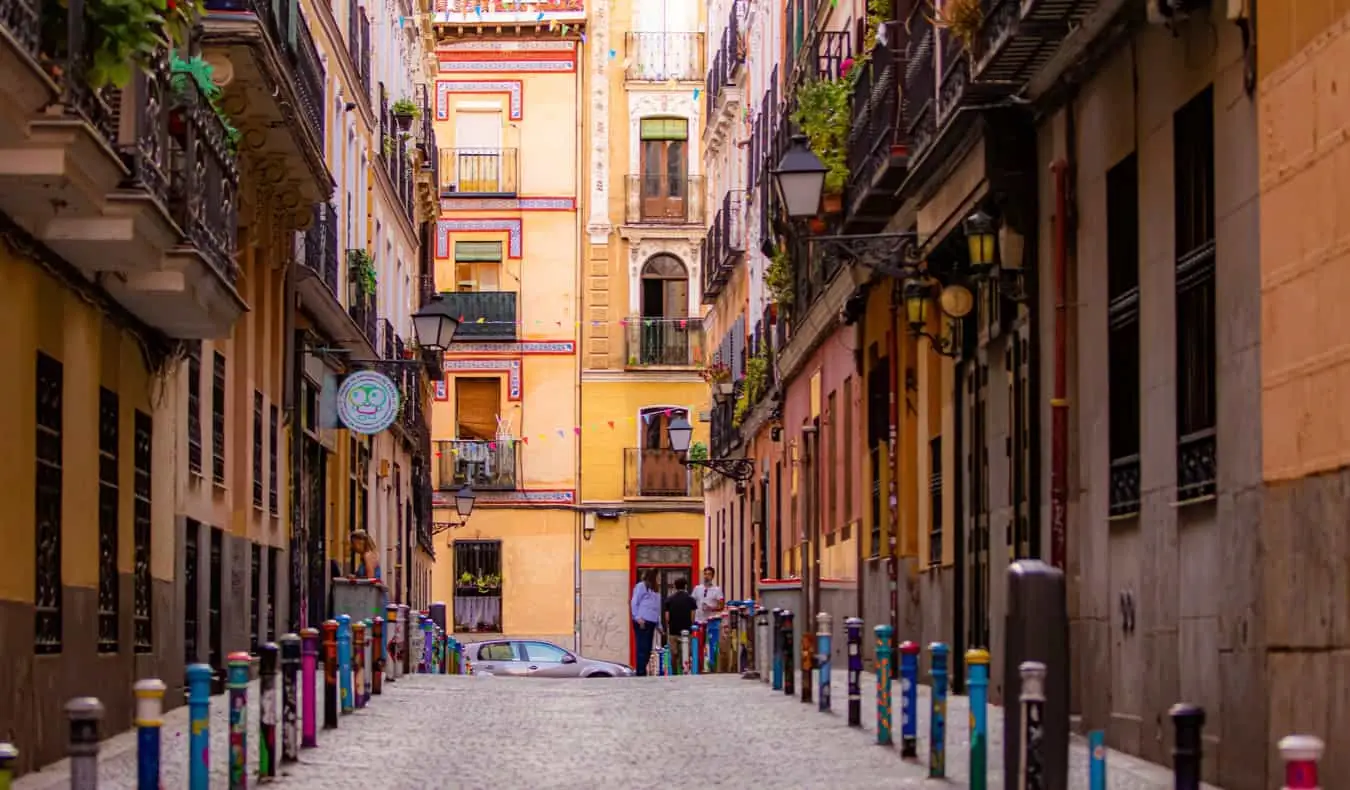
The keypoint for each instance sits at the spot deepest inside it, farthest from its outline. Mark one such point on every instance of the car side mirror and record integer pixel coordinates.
(568, 658)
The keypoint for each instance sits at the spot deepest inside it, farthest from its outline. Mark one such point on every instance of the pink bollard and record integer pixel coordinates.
(1301, 755)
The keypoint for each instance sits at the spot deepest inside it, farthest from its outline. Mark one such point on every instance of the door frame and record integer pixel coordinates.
(634, 573)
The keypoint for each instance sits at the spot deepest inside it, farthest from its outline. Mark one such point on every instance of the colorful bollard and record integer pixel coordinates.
(977, 670)
(853, 635)
(330, 676)
(823, 648)
(149, 721)
(1301, 754)
(238, 687)
(404, 635)
(290, 714)
(1187, 749)
(1030, 763)
(84, 713)
(199, 677)
(776, 641)
(684, 652)
(761, 651)
(428, 642)
(909, 700)
(789, 660)
(1097, 760)
(359, 664)
(938, 653)
(377, 651)
(883, 634)
(267, 718)
(391, 664)
(808, 647)
(8, 756)
(344, 663)
(696, 642)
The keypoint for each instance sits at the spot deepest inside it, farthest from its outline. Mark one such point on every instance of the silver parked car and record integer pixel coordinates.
(533, 658)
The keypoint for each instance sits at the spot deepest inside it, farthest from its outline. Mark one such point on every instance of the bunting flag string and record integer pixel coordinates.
(560, 433)
(678, 323)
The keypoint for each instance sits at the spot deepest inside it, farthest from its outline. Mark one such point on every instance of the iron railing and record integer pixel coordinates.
(660, 57)
(479, 171)
(204, 178)
(321, 246)
(664, 342)
(361, 299)
(484, 465)
(662, 200)
(658, 473)
(483, 315)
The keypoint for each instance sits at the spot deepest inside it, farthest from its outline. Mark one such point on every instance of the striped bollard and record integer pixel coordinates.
(1030, 766)
(1097, 760)
(237, 684)
(695, 642)
(824, 626)
(937, 716)
(789, 664)
(883, 634)
(199, 677)
(344, 663)
(84, 714)
(977, 668)
(1188, 748)
(391, 664)
(149, 721)
(8, 756)
(377, 651)
(359, 663)
(267, 718)
(909, 700)
(1301, 754)
(853, 635)
(367, 661)
(290, 699)
(330, 675)
(428, 642)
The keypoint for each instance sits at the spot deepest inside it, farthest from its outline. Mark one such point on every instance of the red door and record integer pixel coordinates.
(671, 559)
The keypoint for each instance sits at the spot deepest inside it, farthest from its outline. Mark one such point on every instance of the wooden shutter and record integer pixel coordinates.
(477, 405)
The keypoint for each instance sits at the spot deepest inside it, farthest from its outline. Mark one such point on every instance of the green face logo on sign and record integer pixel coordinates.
(367, 402)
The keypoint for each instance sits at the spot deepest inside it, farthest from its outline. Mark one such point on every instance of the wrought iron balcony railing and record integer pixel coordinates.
(361, 296)
(483, 315)
(321, 246)
(658, 473)
(662, 200)
(919, 83)
(664, 342)
(878, 153)
(479, 171)
(661, 57)
(728, 61)
(485, 465)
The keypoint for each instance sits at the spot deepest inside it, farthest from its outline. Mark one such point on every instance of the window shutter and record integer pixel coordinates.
(478, 252)
(665, 129)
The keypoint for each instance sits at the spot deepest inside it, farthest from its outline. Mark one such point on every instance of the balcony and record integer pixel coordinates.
(361, 295)
(724, 245)
(318, 247)
(483, 14)
(661, 57)
(487, 466)
(427, 161)
(662, 200)
(479, 172)
(265, 60)
(658, 473)
(483, 315)
(664, 342)
(722, 94)
(878, 154)
(1018, 37)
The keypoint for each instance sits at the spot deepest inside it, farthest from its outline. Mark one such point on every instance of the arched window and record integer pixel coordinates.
(665, 162)
(663, 328)
(665, 288)
(659, 471)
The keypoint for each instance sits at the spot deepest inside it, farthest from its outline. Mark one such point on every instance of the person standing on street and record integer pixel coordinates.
(710, 602)
(680, 607)
(646, 611)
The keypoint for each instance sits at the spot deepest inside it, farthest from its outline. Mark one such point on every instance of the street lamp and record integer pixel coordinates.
(464, 498)
(800, 178)
(955, 301)
(981, 235)
(434, 325)
(679, 431)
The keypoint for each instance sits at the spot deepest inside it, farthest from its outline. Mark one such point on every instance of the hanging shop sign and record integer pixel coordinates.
(367, 402)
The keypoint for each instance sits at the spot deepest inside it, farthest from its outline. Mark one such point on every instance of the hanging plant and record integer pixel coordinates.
(779, 277)
(962, 17)
(404, 111)
(198, 71)
(698, 451)
(824, 117)
(361, 269)
(121, 36)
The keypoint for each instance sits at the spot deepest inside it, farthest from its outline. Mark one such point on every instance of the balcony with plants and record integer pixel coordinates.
(659, 342)
(397, 148)
(877, 150)
(484, 465)
(361, 285)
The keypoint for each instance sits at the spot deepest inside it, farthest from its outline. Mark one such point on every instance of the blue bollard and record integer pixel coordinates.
(776, 643)
(149, 721)
(1097, 760)
(696, 647)
(238, 684)
(977, 666)
(344, 646)
(909, 700)
(823, 639)
(199, 677)
(937, 717)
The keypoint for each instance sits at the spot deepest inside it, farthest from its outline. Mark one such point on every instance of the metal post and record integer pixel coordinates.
(344, 663)
(696, 639)
(290, 669)
(808, 647)
(149, 721)
(8, 756)
(1188, 748)
(749, 627)
(977, 677)
(789, 661)
(1097, 760)
(199, 678)
(884, 632)
(377, 648)
(392, 663)
(763, 652)
(909, 700)
(1301, 755)
(330, 675)
(853, 634)
(1030, 762)
(238, 686)
(359, 663)
(684, 652)
(824, 625)
(427, 662)
(367, 660)
(937, 717)
(1037, 629)
(84, 714)
(404, 635)
(267, 718)
(776, 645)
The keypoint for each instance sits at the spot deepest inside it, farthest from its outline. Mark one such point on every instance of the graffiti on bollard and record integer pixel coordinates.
(1188, 721)
(883, 635)
(428, 640)
(789, 660)
(1301, 754)
(84, 714)
(937, 717)
(149, 720)
(391, 644)
(344, 663)
(238, 686)
(330, 675)
(684, 652)
(377, 651)
(1097, 760)
(824, 625)
(267, 718)
(199, 677)
(853, 635)
(1030, 764)
(359, 663)
(405, 640)
(290, 714)
(8, 756)
(909, 700)
(808, 647)
(977, 670)
(776, 641)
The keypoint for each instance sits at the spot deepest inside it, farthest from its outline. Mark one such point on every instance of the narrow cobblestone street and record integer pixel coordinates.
(476, 733)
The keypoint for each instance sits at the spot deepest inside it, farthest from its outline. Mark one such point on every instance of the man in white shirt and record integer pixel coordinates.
(710, 602)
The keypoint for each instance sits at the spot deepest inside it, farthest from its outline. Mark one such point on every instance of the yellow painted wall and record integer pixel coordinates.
(42, 315)
(602, 475)
(609, 546)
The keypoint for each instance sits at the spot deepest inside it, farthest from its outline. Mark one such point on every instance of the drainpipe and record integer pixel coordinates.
(1059, 401)
(893, 498)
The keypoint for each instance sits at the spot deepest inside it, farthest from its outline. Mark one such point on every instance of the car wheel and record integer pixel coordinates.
(600, 675)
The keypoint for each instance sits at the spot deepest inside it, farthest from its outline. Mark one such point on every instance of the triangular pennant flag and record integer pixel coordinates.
(611, 425)
(577, 430)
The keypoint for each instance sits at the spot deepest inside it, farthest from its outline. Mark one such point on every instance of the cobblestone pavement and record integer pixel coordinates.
(478, 733)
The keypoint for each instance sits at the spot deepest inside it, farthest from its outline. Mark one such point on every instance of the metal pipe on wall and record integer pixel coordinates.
(1059, 401)
(893, 492)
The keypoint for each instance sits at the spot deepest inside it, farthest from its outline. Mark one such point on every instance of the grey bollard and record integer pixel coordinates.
(84, 713)
(1037, 628)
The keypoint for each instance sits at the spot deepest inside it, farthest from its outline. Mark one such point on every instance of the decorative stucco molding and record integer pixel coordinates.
(511, 88)
(509, 224)
(524, 347)
(511, 367)
(598, 223)
(642, 249)
(509, 204)
(489, 65)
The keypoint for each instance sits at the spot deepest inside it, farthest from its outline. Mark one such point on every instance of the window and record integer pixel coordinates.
(478, 586)
(498, 651)
(357, 494)
(847, 444)
(108, 511)
(659, 471)
(480, 165)
(831, 496)
(664, 155)
(1122, 284)
(777, 520)
(218, 418)
(544, 652)
(273, 442)
(215, 654)
(47, 505)
(935, 500)
(878, 434)
(273, 562)
(191, 600)
(257, 449)
(1197, 393)
(478, 265)
(477, 407)
(194, 408)
(142, 608)
(664, 329)
(255, 611)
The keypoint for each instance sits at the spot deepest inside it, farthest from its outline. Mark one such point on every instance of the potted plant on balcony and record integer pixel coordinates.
(488, 583)
(962, 17)
(778, 278)
(183, 75)
(824, 117)
(467, 583)
(361, 270)
(121, 36)
(404, 111)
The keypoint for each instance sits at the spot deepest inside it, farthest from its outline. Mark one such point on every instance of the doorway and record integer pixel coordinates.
(671, 559)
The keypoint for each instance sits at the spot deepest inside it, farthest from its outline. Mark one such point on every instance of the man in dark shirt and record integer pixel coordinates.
(679, 617)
